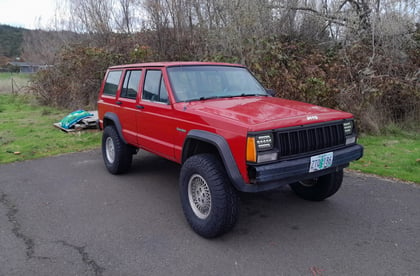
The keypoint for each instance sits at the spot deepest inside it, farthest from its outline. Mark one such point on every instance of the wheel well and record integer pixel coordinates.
(116, 124)
(108, 122)
(194, 146)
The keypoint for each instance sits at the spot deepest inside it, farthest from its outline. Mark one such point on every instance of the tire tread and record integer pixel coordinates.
(123, 152)
(225, 201)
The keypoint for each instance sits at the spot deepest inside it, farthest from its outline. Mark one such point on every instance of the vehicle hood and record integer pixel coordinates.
(258, 113)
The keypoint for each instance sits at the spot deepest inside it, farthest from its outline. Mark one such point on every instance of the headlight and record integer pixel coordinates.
(348, 131)
(259, 148)
(348, 128)
(264, 142)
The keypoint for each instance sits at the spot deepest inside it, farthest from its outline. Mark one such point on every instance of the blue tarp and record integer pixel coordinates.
(74, 117)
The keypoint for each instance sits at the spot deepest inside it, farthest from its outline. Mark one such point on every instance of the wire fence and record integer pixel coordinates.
(14, 83)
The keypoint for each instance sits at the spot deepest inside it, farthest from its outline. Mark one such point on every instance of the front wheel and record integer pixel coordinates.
(320, 188)
(116, 154)
(209, 202)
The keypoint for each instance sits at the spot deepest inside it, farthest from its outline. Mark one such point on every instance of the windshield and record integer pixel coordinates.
(191, 83)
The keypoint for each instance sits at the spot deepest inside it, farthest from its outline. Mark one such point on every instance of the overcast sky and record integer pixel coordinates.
(30, 14)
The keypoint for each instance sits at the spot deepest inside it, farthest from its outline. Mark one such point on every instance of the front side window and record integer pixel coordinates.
(154, 87)
(111, 83)
(191, 83)
(131, 84)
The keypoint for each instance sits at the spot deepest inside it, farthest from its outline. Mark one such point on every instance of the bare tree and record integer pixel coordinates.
(127, 15)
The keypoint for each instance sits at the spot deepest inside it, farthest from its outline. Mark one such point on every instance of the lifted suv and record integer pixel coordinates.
(228, 133)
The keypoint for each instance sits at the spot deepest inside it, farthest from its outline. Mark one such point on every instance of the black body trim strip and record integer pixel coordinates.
(114, 117)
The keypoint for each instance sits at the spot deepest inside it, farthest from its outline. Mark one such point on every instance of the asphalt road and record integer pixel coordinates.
(66, 215)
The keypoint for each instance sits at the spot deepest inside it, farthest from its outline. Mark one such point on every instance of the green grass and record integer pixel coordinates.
(6, 75)
(396, 155)
(27, 132)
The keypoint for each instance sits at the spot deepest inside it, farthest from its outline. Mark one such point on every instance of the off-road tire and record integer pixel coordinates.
(319, 188)
(117, 155)
(216, 210)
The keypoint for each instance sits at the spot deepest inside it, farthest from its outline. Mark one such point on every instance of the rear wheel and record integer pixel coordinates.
(209, 202)
(320, 188)
(117, 155)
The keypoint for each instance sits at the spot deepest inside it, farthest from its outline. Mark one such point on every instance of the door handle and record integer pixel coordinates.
(118, 102)
(139, 106)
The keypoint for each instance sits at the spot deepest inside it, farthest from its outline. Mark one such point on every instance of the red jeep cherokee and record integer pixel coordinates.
(228, 133)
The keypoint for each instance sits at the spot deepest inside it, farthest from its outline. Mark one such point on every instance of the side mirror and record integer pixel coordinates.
(271, 92)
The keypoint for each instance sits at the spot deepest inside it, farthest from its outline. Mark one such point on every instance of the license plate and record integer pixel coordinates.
(320, 162)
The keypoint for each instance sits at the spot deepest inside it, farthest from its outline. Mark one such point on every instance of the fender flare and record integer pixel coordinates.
(114, 118)
(224, 151)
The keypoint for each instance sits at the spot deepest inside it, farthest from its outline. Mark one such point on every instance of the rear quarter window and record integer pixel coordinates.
(112, 82)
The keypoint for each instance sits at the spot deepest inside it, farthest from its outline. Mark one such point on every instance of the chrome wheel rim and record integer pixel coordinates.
(110, 150)
(199, 196)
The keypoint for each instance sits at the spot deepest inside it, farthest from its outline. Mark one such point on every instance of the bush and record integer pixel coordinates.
(364, 80)
(75, 80)
(377, 91)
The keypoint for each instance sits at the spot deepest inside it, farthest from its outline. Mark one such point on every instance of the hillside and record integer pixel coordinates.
(11, 39)
(36, 46)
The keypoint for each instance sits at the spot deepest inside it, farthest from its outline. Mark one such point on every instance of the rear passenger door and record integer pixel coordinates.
(126, 103)
(155, 121)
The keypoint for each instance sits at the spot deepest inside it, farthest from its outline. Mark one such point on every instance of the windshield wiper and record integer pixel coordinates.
(210, 97)
(246, 95)
(203, 98)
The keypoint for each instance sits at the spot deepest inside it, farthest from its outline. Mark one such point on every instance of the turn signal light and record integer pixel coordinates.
(251, 151)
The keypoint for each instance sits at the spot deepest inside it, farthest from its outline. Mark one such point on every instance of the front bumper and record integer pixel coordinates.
(271, 176)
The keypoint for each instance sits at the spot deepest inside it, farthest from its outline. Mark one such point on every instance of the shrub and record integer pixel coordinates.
(75, 80)
(359, 78)
(377, 89)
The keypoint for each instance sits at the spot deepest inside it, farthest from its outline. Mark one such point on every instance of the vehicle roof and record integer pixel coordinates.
(173, 63)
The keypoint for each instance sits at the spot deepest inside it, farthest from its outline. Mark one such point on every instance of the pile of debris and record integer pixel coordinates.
(78, 120)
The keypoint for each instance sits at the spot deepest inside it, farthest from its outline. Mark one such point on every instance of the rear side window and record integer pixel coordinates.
(154, 87)
(111, 83)
(131, 84)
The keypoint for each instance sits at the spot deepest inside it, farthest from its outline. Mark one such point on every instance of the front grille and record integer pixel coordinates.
(310, 139)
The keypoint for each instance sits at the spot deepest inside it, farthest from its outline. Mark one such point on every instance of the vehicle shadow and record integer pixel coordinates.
(277, 211)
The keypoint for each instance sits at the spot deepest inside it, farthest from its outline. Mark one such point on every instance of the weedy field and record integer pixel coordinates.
(27, 132)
